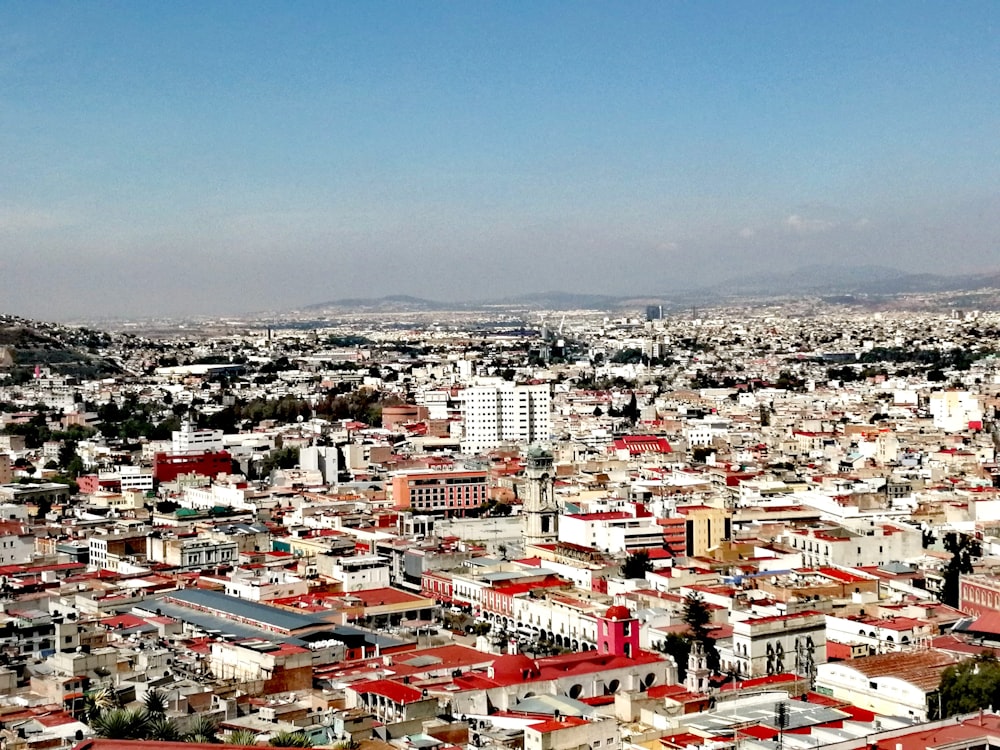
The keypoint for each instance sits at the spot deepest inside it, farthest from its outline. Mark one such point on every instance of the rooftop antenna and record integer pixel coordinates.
(781, 721)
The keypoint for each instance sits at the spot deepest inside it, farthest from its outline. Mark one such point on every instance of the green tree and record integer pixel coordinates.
(631, 410)
(636, 565)
(962, 548)
(204, 729)
(122, 724)
(967, 686)
(162, 729)
(245, 737)
(91, 709)
(697, 617)
(282, 458)
(155, 702)
(75, 467)
(678, 647)
(291, 739)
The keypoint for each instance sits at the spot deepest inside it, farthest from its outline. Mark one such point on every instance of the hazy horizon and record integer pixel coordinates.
(173, 158)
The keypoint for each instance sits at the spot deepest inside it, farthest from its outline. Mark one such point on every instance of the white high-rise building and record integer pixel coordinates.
(189, 439)
(502, 413)
(324, 459)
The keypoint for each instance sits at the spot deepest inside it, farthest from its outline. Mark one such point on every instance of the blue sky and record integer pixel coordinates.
(170, 157)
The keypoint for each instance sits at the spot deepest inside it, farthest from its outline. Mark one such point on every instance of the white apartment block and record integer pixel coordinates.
(358, 573)
(878, 544)
(16, 546)
(880, 634)
(265, 585)
(436, 402)
(702, 432)
(132, 478)
(227, 496)
(189, 439)
(502, 413)
(953, 411)
(614, 532)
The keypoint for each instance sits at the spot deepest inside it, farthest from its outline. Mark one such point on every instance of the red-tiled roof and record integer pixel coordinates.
(394, 691)
(774, 679)
(556, 725)
(638, 444)
(959, 733)
(384, 596)
(123, 621)
(610, 515)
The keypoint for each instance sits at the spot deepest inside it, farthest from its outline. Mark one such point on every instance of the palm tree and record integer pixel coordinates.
(155, 702)
(204, 729)
(242, 737)
(291, 739)
(107, 698)
(91, 709)
(162, 729)
(122, 724)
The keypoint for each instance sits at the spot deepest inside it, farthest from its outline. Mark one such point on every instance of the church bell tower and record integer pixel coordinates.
(540, 511)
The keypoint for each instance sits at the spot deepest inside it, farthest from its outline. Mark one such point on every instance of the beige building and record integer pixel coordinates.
(263, 667)
(706, 528)
(36, 493)
(573, 733)
(109, 550)
(191, 553)
(128, 500)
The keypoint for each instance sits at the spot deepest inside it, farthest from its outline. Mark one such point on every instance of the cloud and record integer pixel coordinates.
(805, 225)
(807, 220)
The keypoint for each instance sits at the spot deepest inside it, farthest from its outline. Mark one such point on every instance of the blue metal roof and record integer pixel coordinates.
(249, 612)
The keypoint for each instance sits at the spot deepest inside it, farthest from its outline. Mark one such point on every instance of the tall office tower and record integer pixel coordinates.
(504, 414)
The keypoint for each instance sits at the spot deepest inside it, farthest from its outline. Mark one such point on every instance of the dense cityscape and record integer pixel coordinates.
(547, 375)
(767, 526)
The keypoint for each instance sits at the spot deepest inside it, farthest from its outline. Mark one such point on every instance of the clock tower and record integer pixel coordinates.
(540, 510)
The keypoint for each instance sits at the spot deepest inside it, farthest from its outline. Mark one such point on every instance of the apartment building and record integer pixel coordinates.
(451, 493)
(503, 413)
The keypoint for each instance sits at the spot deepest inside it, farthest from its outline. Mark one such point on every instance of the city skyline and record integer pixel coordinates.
(163, 159)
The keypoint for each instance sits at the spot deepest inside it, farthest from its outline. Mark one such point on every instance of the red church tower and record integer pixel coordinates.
(618, 632)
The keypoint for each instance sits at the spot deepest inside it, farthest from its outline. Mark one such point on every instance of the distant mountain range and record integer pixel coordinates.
(867, 282)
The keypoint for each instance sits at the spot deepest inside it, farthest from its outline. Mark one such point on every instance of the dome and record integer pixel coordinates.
(514, 667)
(618, 612)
